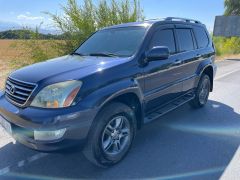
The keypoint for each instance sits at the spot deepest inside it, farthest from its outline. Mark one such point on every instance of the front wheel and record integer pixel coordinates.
(202, 92)
(111, 135)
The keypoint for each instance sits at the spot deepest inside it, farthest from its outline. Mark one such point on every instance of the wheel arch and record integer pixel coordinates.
(131, 99)
(208, 70)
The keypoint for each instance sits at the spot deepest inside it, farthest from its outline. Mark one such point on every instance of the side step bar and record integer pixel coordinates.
(169, 107)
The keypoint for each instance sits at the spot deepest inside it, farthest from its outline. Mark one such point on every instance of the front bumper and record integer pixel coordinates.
(76, 120)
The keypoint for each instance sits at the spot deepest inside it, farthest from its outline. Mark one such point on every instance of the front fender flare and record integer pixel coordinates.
(101, 96)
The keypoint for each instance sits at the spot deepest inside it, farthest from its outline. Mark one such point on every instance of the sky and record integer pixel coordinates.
(31, 12)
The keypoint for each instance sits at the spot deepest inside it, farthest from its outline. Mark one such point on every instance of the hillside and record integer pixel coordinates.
(26, 34)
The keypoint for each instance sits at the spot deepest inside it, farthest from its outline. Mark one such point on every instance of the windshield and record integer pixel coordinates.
(113, 42)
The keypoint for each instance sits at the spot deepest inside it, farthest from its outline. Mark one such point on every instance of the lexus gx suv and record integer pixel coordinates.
(119, 79)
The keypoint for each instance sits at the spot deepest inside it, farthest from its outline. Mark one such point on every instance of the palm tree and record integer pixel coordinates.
(232, 7)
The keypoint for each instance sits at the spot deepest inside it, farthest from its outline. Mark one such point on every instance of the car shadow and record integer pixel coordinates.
(184, 144)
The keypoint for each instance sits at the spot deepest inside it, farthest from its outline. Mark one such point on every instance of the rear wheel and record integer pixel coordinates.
(111, 135)
(202, 92)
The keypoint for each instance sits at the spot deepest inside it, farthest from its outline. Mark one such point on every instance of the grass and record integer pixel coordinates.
(15, 54)
(7, 55)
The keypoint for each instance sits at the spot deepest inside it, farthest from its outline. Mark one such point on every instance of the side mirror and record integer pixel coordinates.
(158, 53)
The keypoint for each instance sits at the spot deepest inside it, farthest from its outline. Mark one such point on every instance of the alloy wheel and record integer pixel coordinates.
(116, 135)
(204, 91)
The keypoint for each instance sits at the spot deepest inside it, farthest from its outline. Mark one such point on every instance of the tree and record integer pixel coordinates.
(232, 7)
(77, 23)
(80, 21)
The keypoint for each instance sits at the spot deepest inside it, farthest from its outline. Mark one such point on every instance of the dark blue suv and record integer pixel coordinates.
(120, 78)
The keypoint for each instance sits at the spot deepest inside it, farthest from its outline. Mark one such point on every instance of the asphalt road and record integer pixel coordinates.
(184, 144)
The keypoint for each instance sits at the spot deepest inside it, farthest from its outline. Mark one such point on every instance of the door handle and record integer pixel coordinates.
(198, 56)
(177, 62)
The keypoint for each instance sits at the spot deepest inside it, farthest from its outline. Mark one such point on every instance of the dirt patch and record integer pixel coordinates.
(14, 54)
(233, 56)
(7, 54)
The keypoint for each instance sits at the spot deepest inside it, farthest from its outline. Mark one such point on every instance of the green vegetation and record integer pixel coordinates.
(232, 7)
(26, 34)
(227, 46)
(231, 45)
(38, 46)
(77, 23)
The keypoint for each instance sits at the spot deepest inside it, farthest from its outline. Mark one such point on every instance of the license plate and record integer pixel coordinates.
(6, 125)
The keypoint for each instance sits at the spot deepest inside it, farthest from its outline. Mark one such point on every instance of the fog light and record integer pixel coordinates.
(49, 135)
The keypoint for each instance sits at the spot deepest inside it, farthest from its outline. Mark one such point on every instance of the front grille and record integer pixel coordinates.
(18, 92)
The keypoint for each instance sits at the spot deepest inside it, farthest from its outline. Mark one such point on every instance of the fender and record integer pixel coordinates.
(100, 97)
(202, 66)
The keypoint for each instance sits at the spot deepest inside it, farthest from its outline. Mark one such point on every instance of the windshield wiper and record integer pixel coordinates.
(79, 54)
(104, 54)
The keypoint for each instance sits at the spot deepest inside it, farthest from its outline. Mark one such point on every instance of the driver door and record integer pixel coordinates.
(163, 77)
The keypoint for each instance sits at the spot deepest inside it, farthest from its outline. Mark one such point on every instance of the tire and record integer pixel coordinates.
(107, 145)
(202, 92)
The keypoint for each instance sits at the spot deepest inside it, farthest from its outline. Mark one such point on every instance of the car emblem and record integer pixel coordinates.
(12, 89)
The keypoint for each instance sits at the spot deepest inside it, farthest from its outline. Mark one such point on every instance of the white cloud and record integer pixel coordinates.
(50, 19)
(29, 17)
(28, 13)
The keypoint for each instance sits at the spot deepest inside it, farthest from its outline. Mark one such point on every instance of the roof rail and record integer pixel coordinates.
(154, 19)
(182, 19)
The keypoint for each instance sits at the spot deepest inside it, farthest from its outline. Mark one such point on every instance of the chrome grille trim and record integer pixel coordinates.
(22, 91)
(19, 87)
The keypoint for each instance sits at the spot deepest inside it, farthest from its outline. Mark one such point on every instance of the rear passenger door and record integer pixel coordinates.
(187, 51)
(205, 49)
(162, 78)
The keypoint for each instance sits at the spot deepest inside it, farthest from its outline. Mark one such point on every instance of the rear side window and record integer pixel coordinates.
(201, 37)
(164, 38)
(185, 39)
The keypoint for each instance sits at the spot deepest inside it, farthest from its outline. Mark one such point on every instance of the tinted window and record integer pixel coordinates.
(201, 37)
(164, 38)
(119, 41)
(185, 39)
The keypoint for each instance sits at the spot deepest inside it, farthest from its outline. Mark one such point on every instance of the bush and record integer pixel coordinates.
(226, 46)
(35, 47)
(79, 22)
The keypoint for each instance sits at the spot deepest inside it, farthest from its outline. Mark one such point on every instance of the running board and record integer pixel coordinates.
(169, 107)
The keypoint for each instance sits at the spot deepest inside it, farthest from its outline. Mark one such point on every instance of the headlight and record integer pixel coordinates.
(57, 95)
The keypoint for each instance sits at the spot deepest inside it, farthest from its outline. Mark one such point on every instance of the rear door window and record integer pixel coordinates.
(201, 37)
(185, 39)
(164, 38)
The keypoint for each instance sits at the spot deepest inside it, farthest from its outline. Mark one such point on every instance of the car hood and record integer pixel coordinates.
(65, 67)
